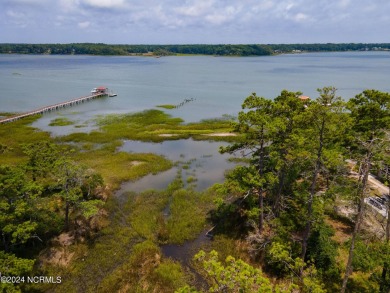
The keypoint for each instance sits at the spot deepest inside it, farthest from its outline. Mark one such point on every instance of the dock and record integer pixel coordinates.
(55, 107)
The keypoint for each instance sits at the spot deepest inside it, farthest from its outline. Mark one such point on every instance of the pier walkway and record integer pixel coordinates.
(54, 107)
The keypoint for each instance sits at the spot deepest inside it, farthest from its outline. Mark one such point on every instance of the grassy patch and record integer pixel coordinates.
(191, 179)
(151, 125)
(95, 261)
(145, 211)
(188, 213)
(145, 269)
(167, 106)
(61, 122)
(125, 255)
(98, 150)
(14, 134)
(117, 167)
(7, 114)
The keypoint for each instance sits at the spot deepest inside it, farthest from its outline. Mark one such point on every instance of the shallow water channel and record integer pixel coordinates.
(197, 159)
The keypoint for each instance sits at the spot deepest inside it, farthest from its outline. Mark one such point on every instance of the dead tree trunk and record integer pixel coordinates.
(316, 171)
(361, 192)
(261, 174)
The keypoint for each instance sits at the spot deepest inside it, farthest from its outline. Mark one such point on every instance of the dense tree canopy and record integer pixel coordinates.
(203, 49)
(37, 200)
(298, 152)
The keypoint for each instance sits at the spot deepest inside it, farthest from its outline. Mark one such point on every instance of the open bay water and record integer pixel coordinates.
(218, 86)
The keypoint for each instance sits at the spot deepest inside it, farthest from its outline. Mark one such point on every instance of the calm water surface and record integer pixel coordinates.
(201, 158)
(218, 85)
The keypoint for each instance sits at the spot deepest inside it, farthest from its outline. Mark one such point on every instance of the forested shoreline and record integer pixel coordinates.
(191, 49)
(291, 217)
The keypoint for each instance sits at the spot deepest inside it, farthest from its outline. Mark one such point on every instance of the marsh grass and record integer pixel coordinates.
(117, 167)
(13, 135)
(191, 179)
(144, 270)
(188, 214)
(149, 126)
(7, 114)
(126, 253)
(97, 150)
(80, 125)
(146, 209)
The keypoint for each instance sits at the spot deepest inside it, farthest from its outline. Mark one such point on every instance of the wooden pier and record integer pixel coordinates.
(54, 107)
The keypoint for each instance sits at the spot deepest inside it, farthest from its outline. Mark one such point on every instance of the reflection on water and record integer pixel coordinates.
(199, 160)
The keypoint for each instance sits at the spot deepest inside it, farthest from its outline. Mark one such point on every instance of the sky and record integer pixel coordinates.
(194, 21)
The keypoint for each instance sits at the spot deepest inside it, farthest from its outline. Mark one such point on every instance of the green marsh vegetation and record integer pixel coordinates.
(14, 135)
(126, 254)
(167, 106)
(98, 148)
(118, 167)
(122, 236)
(6, 114)
(62, 121)
(150, 126)
(276, 212)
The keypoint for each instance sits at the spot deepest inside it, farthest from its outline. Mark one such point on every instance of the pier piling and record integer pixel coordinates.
(54, 107)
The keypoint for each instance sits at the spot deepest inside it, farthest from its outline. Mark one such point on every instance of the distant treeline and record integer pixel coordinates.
(160, 50)
(163, 50)
(330, 47)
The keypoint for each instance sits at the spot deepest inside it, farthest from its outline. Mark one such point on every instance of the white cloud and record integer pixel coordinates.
(344, 3)
(69, 5)
(84, 24)
(263, 6)
(223, 15)
(289, 6)
(370, 7)
(300, 17)
(224, 20)
(18, 19)
(196, 9)
(105, 3)
(15, 14)
(28, 2)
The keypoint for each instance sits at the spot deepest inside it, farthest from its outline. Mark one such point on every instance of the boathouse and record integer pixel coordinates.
(101, 90)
